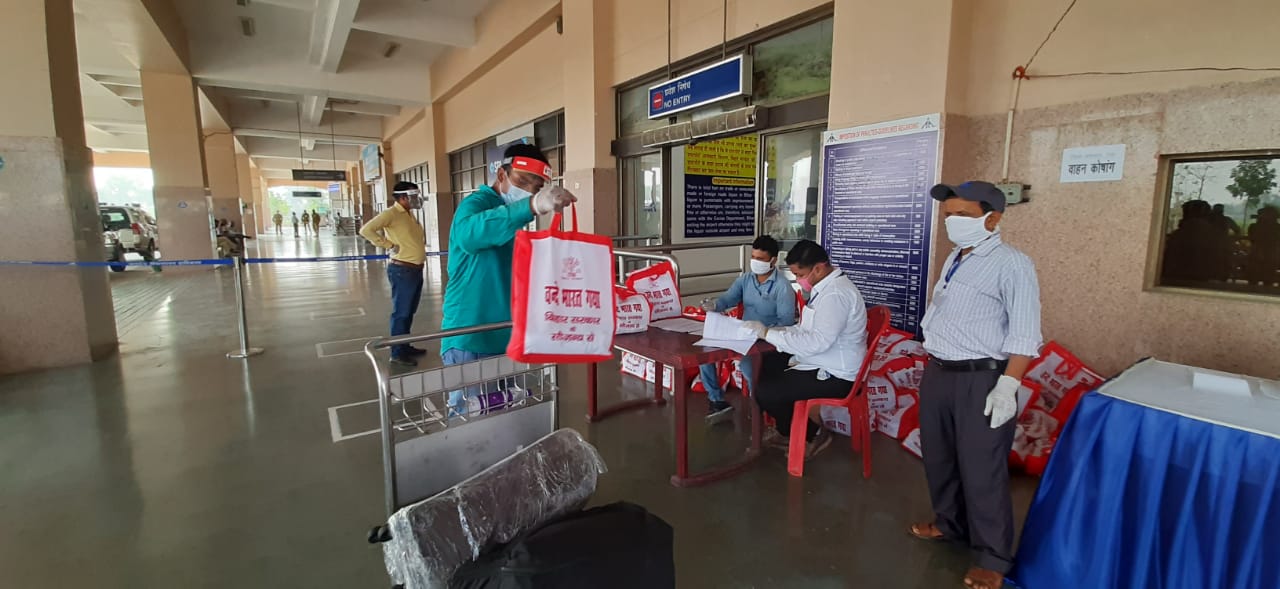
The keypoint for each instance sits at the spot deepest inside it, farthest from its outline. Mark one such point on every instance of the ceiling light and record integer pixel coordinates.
(391, 49)
(246, 26)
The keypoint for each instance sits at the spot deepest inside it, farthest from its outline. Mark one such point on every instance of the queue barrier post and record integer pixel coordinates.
(245, 350)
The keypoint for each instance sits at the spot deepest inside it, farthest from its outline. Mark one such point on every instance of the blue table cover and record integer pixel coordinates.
(1135, 497)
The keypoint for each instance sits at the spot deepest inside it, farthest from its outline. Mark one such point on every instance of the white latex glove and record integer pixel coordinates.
(551, 199)
(1002, 401)
(395, 249)
(757, 328)
(708, 304)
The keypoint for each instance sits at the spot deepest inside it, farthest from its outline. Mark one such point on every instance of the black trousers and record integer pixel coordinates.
(779, 389)
(967, 463)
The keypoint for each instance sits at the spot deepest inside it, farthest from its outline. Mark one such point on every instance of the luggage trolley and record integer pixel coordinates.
(428, 446)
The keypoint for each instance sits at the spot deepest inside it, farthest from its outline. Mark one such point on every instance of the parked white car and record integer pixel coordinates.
(128, 229)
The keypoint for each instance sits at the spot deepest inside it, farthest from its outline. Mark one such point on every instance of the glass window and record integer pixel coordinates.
(791, 172)
(1222, 225)
(642, 196)
(633, 112)
(792, 66)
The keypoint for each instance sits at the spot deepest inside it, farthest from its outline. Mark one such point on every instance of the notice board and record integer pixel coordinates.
(877, 215)
(720, 188)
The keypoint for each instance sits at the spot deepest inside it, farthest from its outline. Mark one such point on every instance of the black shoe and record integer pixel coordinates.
(413, 351)
(818, 444)
(403, 361)
(718, 411)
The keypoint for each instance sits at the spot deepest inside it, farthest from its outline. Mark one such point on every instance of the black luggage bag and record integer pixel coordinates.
(619, 546)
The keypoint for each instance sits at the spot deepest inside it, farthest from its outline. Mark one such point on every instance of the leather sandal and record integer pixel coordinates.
(980, 578)
(926, 531)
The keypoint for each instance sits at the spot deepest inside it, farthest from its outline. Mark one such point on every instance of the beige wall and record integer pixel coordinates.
(411, 142)
(121, 159)
(524, 86)
(1112, 36)
(1090, 240)
(502, 28)
(639, 29)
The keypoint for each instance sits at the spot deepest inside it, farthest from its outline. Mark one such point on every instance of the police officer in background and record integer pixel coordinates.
(981, 330)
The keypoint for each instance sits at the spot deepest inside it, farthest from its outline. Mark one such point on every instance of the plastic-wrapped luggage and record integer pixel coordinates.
(620, 546)
(431, 539)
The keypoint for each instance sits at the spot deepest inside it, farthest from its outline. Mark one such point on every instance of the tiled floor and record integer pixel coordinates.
(172, 466)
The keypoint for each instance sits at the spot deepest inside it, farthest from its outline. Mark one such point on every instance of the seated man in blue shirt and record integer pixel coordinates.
(766, 297)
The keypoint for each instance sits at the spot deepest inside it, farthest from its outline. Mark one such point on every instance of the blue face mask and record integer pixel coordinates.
(515, 194)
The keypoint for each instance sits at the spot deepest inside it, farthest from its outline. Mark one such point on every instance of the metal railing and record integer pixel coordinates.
(420, 428)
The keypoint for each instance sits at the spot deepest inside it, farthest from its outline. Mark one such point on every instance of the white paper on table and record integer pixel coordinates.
(679, 325)
(737, 345)
(723, 327)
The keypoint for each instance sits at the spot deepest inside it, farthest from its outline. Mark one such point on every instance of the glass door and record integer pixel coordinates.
(792, 167)
(642, 199)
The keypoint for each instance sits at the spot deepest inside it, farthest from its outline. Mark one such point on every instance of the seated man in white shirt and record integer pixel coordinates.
(820, 357)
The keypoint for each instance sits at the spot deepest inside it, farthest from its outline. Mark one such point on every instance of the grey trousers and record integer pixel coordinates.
(967, 463)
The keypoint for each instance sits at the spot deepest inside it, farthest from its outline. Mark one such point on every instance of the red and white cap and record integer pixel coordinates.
(530, 165)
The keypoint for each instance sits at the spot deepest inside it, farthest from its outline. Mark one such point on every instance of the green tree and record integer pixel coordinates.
(1250, 180)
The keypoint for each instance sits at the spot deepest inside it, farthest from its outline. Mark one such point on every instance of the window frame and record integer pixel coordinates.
(1160, 223)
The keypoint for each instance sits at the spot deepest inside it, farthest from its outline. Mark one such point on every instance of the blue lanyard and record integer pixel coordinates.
(955, 264)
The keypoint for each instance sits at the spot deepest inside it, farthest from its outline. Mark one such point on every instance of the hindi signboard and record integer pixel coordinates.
(720, 188)
(1096, 163)
(877, 215)
(716, 82)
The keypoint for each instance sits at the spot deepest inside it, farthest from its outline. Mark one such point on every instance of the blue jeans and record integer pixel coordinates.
(711, 379)
(406, 291)
(457, 399)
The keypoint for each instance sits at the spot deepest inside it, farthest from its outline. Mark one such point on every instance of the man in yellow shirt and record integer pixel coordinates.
(397, 230)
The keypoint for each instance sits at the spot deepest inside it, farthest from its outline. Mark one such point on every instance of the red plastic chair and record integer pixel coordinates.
(856, 403)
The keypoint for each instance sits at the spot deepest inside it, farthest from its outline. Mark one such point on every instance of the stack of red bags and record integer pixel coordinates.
(1050, 390)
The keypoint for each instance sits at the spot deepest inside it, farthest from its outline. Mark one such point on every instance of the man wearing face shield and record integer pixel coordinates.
(397, 230)
(481, 243)
(981, 330)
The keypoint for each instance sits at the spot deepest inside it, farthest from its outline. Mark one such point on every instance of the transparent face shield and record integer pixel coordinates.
(414, 196)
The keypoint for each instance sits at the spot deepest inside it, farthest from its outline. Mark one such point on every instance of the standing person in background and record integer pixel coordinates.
(765, 297)
(397, 230)
(981, 330)
(278, 220)
(295, 224)
(481, 243)
(315, 223)
(306, 222)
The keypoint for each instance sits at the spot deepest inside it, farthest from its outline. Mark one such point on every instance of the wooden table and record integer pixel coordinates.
(669, 348)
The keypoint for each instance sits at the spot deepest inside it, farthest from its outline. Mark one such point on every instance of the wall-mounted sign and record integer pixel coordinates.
(1096, 163)
(493, 156)
(877, 215)
(320, 175)
(307, 193)
(720, 188)
(371, 160)
(716, 82)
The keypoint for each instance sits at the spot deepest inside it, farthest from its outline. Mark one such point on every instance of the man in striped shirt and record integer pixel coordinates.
(981, 331)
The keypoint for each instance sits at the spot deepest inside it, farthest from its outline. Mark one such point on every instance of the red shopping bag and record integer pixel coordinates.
(658, 284)
(632, 310)
(562, 307)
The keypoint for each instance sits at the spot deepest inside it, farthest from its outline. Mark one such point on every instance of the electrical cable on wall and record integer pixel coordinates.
(298, 109)
(724, 31)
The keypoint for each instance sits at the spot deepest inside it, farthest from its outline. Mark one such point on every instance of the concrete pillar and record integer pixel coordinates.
(248, 197)
(590, 171)
(438, 168)
(220, 170)
(183, 203)
(51, 316)
(922, 76)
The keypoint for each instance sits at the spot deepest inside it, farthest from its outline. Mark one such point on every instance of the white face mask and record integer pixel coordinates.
(967, 231)
(758, 267)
